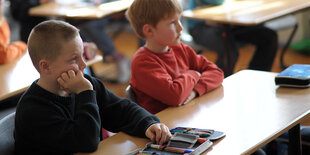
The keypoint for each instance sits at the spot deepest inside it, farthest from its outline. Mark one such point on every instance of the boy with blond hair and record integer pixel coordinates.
(64, 111)
(166, 72)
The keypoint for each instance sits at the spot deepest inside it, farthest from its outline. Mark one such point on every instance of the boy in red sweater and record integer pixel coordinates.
(166, 72)
(8, 51)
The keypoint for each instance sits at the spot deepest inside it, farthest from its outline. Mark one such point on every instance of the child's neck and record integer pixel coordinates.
(156, 49)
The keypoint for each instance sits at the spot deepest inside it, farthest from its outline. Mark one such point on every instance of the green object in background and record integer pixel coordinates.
(303, 47)
(212, 2)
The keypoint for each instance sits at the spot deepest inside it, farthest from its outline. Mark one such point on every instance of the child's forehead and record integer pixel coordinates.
(173, 15)
(71, 47)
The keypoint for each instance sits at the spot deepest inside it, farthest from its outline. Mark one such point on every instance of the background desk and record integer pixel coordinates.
(18, 75)
(80, 12)
(249, 108)
(245, 13)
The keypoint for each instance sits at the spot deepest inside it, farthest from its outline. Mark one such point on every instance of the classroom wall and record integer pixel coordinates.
(303, 31)
(304, 19)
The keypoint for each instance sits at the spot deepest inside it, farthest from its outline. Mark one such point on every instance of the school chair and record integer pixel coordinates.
(8, 105)
(130, 94)
(259, 152)
(6, 134)
(285, 22)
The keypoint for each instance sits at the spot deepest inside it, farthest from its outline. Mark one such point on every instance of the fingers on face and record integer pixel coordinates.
(64, 76)
(68, 75)
(79, 74)
(71, 73)
(61, 82)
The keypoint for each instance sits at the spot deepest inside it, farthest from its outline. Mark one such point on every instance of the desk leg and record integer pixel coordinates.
(227, 62)
(284, 49)
(294, 147)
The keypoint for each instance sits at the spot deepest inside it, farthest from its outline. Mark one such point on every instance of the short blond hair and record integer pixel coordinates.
(47, 38)
(143, 12)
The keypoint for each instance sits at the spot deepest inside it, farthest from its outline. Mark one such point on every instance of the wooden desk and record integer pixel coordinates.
(247, 12)
(249, 108)
(80, 12)
(17, 76)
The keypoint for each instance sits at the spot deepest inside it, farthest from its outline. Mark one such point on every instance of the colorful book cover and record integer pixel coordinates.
(299, 71)
(297, 75)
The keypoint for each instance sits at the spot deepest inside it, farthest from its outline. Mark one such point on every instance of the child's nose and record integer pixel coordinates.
(179, 26)
(82, 64)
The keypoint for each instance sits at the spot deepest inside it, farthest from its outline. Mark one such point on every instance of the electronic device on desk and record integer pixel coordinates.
(297, 75)
(186, 141)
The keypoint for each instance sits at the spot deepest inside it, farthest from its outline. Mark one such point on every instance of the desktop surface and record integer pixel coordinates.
(247, 12)
(18, 75)
(249, 108)
(78, 11)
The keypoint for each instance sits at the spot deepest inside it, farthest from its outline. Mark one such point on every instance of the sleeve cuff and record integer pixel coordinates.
(200, 89)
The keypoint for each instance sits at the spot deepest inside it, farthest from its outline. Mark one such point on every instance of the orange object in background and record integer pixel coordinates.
(9, 51)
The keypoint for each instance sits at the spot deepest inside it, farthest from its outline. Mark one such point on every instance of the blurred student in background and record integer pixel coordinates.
(91, 30)
(209, 35)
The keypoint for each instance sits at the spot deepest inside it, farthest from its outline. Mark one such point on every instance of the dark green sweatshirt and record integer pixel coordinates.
(48, 124)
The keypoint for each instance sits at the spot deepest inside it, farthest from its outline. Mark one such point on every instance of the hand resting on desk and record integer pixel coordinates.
(158, 133)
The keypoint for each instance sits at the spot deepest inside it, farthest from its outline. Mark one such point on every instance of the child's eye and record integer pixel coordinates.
(175, 22)
(74, 59)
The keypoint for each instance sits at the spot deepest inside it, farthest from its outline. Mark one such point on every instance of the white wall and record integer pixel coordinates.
(303, 31)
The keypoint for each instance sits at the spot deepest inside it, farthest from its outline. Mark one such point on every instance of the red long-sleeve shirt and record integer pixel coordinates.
(166, 79)
(9, 51)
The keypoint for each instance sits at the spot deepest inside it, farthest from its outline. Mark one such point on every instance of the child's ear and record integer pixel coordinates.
(147, 30)
(44, 66)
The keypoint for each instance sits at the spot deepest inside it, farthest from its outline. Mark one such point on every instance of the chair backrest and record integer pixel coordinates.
(130, 94)
(284, 22)
(6, 134)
